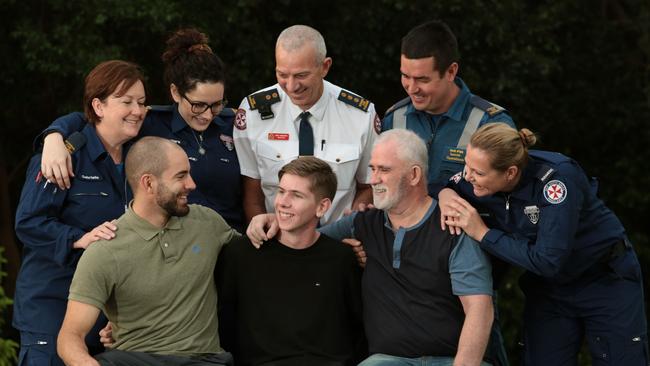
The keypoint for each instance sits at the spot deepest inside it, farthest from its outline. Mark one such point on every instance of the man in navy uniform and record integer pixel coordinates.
(439, 108)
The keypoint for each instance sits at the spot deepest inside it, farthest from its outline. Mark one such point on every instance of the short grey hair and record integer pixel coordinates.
(411, 147)
(297, 36)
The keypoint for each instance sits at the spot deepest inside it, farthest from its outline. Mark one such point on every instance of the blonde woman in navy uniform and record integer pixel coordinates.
(198, 122)
(539, 210)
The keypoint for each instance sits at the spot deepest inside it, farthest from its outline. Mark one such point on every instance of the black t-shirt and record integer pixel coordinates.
(291, 306)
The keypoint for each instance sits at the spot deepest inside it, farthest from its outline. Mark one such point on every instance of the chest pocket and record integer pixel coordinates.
(89, 186)
(344, 160)
(274, 155)
(90, 196)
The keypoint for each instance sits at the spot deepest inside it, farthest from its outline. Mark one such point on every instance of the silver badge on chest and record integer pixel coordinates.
(533, 213)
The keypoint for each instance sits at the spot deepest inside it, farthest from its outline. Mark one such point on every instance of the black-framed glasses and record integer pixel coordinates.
(200, 107)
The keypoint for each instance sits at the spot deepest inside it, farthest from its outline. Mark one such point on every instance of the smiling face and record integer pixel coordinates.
(429, 90)
(300, 75)
(297, 208)
(389, 178)
(484, 179)
(205, 93)
(121, 116)
(175, 184)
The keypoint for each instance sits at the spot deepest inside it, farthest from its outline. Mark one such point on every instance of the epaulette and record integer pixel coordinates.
(544, 173)
(263, 102)
(354, 100)
(161, 108)
(482, 104)
(398, 105)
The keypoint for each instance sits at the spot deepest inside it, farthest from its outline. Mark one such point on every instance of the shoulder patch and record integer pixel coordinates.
(354, 100)
(377, 124)
(240, 119)
(398, 105)
(555, 192)
(456, 177)
(490, 108)
(263, 101)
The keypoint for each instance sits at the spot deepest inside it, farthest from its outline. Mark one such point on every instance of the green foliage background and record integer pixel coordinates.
(577, 72)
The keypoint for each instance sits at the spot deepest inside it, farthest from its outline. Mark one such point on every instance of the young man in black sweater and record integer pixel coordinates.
(297, 299)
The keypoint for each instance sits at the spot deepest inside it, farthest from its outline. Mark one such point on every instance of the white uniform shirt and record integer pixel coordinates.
(343, 137)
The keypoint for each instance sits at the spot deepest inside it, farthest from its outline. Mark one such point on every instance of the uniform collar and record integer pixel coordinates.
(457, 108)
(94, 145)
(144, 228)
(178, 123)
(317, 111)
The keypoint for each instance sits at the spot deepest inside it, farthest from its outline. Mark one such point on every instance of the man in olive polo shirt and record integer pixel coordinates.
(154, 280)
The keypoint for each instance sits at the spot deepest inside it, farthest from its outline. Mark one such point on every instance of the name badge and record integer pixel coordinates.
(278, 136)
(90, 177)
(455, 155)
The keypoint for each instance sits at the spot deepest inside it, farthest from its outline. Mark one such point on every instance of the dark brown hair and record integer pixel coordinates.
(432, 39)
(105, 79)
(189, 60)
(323, 179)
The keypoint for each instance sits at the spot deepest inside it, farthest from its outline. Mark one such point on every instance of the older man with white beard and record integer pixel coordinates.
(427, 295)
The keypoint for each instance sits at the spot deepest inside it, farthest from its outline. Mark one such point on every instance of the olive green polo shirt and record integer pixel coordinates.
(157, 285)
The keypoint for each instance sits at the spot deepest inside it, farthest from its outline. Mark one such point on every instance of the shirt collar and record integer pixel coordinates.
(317, 111)
(457, 108)
(434, 204)
(94, 145)
(144, 228)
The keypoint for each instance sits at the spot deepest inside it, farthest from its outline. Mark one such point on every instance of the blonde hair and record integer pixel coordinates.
(504, 145)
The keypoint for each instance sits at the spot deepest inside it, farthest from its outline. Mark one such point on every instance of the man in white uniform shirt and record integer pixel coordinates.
(304, 115)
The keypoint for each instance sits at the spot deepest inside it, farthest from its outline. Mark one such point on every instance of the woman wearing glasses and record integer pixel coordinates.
(198, 121)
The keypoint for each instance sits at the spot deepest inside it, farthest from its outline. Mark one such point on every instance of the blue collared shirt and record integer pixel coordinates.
(216, 172)
(442, 133)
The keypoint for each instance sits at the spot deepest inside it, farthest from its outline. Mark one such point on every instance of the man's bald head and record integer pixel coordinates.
(150, 155)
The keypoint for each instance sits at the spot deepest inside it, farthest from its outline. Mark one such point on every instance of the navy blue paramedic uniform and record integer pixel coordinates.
(48, 222)
(583, 277)
(447, 134)
(215, 172)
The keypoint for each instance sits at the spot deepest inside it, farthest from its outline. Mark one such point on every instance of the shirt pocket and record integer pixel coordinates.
(90, 198)
(273, 156)
(344, 161)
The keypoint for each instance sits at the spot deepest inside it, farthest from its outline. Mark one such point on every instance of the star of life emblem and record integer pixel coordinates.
(555, 192)
(456, 177)
(533, 214)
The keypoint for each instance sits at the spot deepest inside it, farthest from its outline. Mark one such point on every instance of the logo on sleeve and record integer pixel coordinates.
(456, 177)
(227, 142)
(555, 192)
(377, 124)
(533, 214)
(240, 119)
